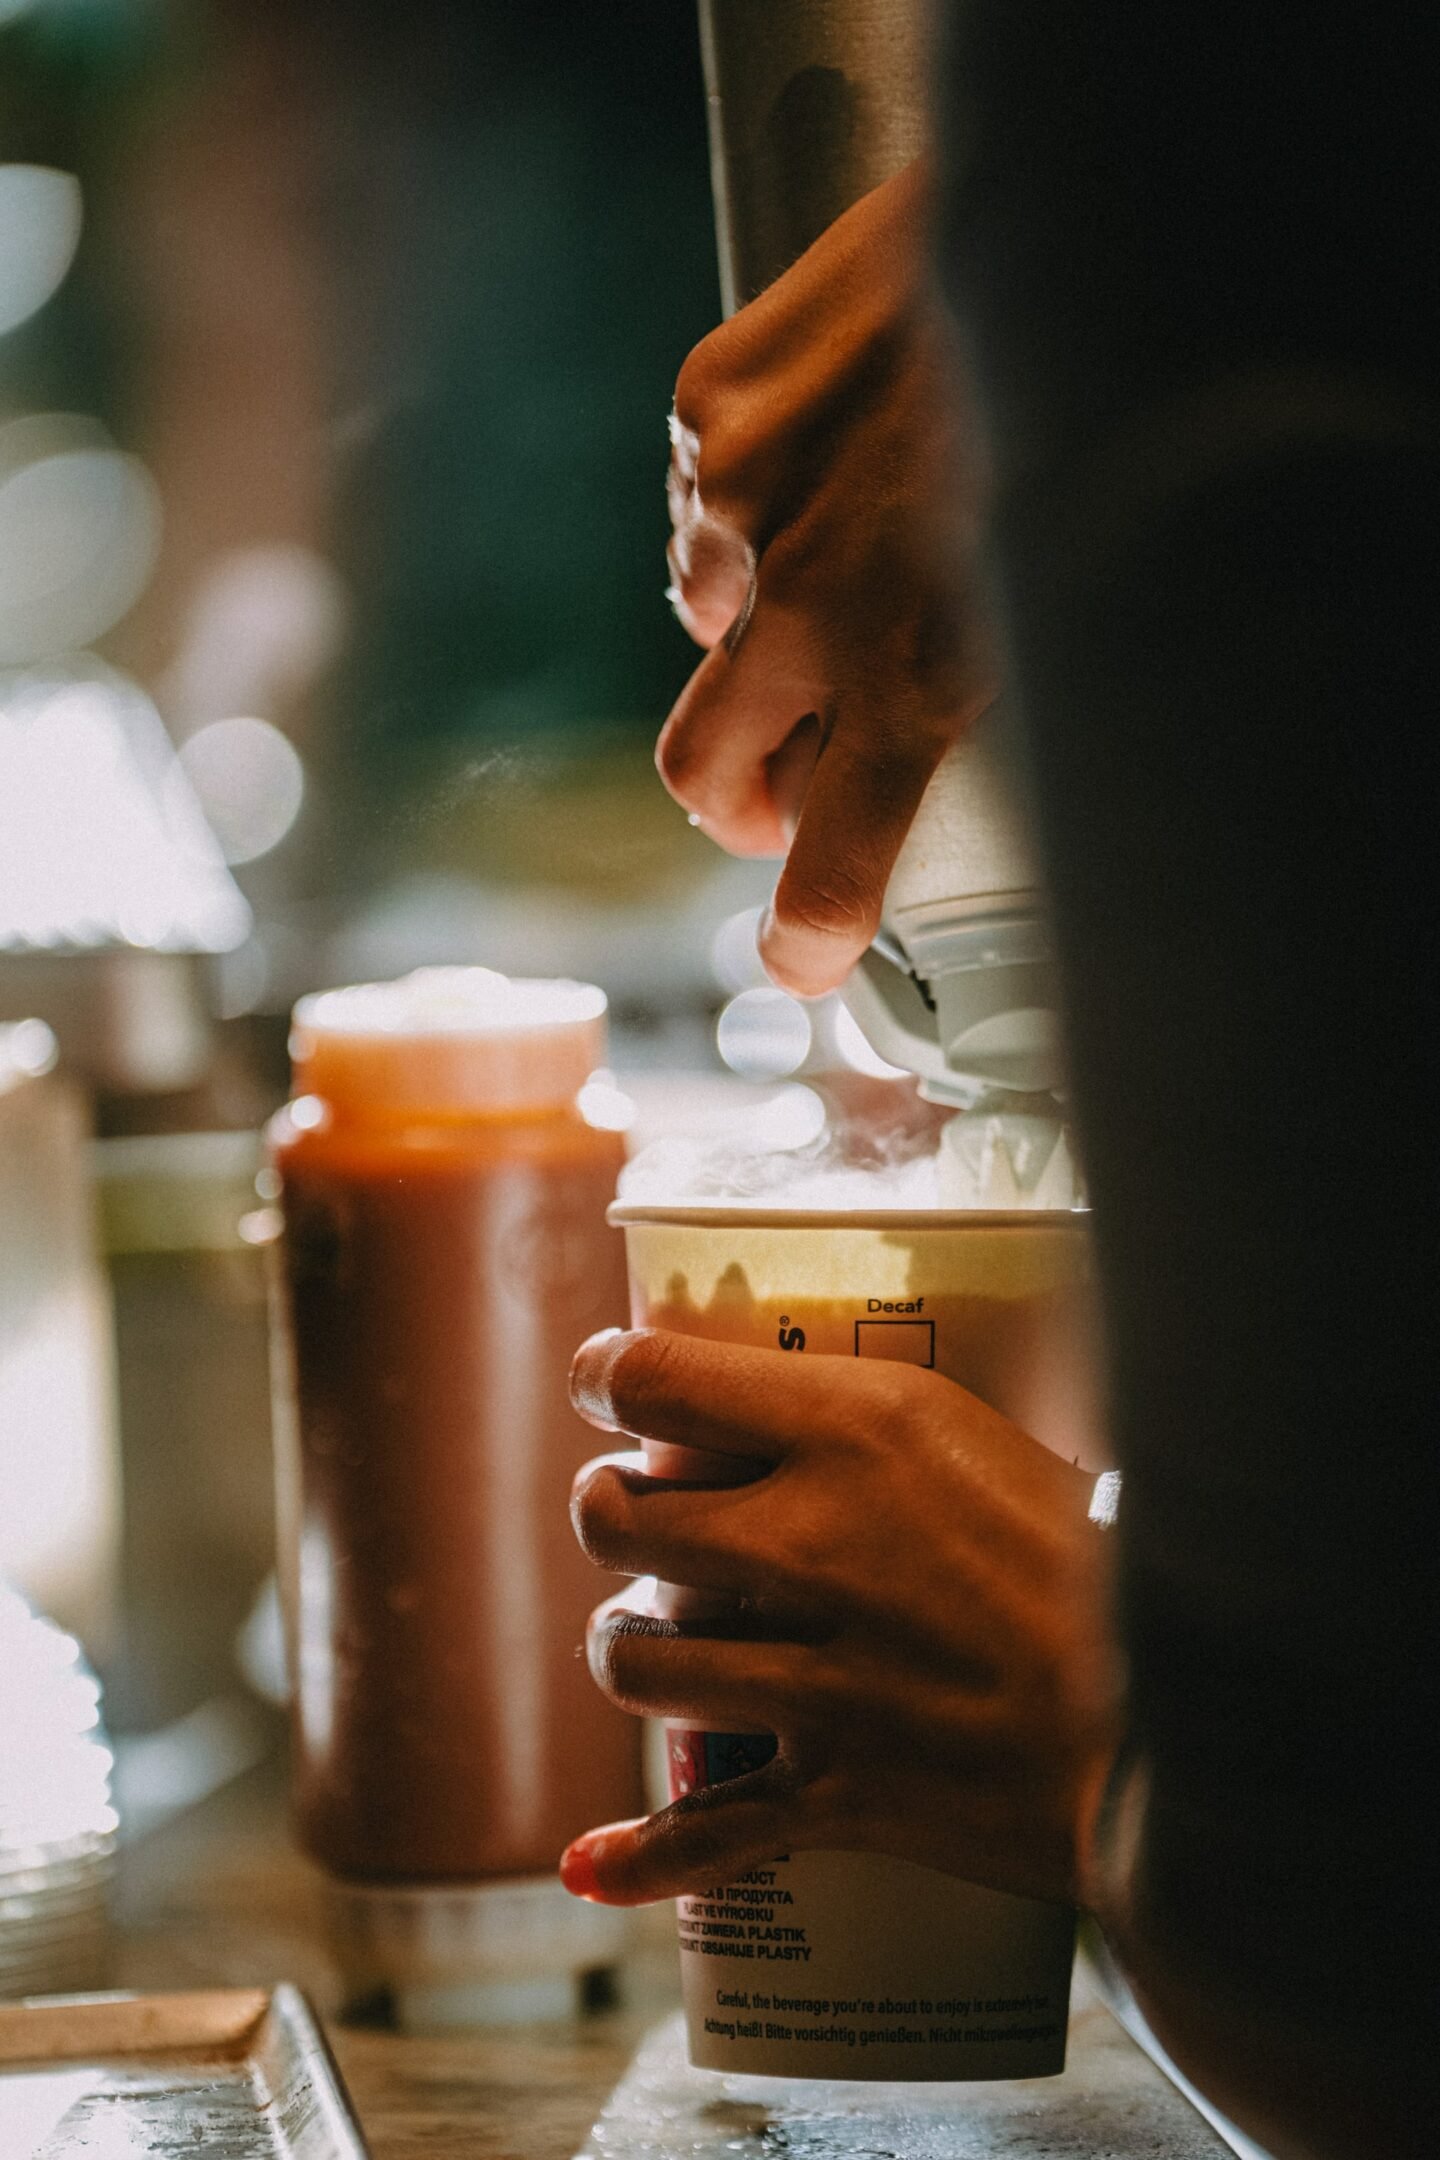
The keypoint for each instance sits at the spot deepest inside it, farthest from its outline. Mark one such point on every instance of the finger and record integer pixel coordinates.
(726, 1398)
(708, 1837)
(790, 769)
(684, 447)
(860, 804)
(733, 715)
(711, 756)
(632, 1524)
(683, 468)
(711, 567)
(663, 1668)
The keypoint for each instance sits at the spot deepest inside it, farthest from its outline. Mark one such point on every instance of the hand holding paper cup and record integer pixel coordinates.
(854, 1953)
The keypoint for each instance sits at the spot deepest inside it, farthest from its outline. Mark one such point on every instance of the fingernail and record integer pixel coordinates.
(577, 1870)
(579, 1863)
(590, 1374)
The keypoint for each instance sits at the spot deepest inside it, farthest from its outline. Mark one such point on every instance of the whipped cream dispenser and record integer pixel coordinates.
(959, 986)
(811, 105)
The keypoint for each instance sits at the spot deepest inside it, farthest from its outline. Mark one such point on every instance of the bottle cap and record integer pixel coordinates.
(448, 1042)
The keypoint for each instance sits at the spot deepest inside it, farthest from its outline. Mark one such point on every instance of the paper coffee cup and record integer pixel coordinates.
(857, 1965)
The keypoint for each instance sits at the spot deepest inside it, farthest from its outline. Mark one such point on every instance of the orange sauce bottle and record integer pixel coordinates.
(444, 1249)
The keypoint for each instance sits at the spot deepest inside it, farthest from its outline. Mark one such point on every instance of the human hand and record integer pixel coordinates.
(824, 507)
(920, 1618)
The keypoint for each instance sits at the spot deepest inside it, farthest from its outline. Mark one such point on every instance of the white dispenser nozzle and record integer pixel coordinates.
(959, 987)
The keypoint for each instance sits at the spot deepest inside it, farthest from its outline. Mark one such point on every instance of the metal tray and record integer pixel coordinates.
(238, 2074)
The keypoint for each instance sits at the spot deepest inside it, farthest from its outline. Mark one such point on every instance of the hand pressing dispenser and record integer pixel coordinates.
(810, 107)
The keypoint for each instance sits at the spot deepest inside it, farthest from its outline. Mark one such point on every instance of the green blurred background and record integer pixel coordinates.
(337, 343)
(389, 302)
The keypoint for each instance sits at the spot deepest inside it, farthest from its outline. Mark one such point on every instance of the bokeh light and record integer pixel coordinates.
(260, 627)
(40, 218)
(795, 1118)
(734, 955)
(79, 531)
(250, 784)
(28, 1050)
(764, 1034)
(97, 845)
(241, 979)
(604, 1104)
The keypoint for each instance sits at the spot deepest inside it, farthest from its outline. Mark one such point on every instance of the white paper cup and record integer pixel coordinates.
(853, 1965)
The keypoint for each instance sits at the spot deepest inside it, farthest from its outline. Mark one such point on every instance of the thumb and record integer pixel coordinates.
(707, 1837)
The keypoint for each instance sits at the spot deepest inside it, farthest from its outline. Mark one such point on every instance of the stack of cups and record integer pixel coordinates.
(57, 1825)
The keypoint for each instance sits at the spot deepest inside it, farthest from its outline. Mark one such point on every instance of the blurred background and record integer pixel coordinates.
(336, 348)
(336, 352)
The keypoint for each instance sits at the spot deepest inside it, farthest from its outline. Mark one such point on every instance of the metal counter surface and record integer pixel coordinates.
(218, 1897)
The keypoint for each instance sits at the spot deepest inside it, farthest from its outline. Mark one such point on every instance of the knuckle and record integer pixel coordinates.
(678, 758)
(600, 1508)
(808, 1570)
(696, 385)
(836, 900)
(625, 1663)
(642, 1375)
(685, 758)
(707, 376)
(905, 1390)
(716, 561)
(922, 1394)
(621, 1651)
(894, 1396)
